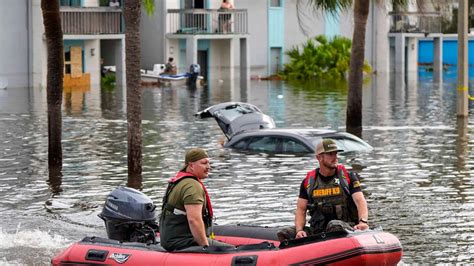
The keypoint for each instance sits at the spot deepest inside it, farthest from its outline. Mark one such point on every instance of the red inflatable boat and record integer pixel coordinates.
(133, 239)
(255, 246)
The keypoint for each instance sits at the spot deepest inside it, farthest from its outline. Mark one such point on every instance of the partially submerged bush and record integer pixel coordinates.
(107, 82)
(321, 59)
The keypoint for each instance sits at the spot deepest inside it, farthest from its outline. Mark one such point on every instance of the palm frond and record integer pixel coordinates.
(149, 6)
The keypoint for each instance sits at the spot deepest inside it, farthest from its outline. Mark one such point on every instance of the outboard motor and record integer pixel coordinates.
(194, 71)
(129, 216)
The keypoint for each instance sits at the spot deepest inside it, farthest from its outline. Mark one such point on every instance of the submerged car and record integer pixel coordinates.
(248, 128)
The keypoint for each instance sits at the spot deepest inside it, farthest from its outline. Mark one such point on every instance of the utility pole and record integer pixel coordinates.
(462, 59)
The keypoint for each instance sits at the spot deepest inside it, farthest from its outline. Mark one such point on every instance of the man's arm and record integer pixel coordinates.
(196, 224)
(362, 210)
(300, 217)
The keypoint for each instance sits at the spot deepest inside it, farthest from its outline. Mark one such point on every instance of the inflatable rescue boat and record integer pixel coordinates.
(133, 239)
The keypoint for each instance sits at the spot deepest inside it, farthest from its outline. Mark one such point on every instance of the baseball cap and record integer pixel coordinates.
(327, 145)
(193, 155)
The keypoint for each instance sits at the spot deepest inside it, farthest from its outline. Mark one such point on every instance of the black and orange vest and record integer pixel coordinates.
(329, 200)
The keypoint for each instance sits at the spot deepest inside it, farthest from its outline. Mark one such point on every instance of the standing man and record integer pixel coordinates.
(186, 215)
(331, 195)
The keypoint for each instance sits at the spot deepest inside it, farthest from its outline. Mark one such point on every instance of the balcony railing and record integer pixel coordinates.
(415, 22)
(207, 21)
(91, 20)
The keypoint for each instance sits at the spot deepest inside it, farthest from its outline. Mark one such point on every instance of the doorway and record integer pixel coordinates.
(194, 4)
(203, 62)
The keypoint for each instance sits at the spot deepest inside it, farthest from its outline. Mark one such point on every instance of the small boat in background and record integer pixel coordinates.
(168, 80)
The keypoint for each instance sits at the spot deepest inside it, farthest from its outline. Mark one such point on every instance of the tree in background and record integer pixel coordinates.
(132, 13)
(54, 82)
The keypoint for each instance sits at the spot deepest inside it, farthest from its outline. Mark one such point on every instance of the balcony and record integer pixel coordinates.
(415, 22)
(207, 21)
(91, 20)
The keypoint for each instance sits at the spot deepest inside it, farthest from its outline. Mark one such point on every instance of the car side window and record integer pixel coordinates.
(242, 144)
(293, 146)
(264, 144)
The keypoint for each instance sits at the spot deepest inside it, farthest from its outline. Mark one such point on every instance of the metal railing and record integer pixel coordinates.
(91, 20)
(415, 22)
(207, 21)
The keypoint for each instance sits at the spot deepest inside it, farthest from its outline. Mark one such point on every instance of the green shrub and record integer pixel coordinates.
(107, 82)
(319, 58)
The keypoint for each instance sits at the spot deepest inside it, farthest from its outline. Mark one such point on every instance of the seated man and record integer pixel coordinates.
(186, 215)
(331, 195)
(170, 67)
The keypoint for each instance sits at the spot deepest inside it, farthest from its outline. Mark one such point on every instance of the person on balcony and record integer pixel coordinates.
(224, 19)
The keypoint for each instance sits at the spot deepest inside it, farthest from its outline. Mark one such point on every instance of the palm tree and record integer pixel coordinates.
(361, 12)
(54, 83)
(132, 13)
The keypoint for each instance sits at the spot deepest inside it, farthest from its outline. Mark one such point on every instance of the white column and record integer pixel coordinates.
(244, 61)
(412, 54)
(119, 49)
(400, 53)
(438, 58)
(191, 51)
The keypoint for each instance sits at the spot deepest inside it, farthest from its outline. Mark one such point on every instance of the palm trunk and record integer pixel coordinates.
(132, 13)
(54, 86)
(354, 97)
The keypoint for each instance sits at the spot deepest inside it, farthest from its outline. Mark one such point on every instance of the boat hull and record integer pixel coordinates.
(339, 248)
(169, 80)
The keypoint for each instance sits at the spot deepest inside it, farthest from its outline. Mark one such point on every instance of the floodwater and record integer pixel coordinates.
(419, 181)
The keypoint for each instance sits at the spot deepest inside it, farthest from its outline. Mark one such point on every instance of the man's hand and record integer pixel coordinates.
(361, 226)
(301, 234)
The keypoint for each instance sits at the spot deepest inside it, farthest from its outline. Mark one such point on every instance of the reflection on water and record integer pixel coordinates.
(418, 181)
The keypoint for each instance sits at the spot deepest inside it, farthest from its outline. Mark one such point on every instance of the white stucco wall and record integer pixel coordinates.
(14, 42)
(91, 3)
(258, 30)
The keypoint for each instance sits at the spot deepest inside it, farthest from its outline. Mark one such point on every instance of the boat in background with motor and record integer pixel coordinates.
(134, 239)
(167, 80)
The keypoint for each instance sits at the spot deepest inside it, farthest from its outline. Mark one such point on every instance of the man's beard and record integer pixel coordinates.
(331, 166)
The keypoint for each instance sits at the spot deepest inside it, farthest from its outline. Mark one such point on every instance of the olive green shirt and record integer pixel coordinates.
(187, 192)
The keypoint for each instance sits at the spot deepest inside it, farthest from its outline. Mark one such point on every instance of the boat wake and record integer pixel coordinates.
(32, 238)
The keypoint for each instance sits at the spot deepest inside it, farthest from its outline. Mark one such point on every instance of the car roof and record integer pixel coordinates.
(308, 136)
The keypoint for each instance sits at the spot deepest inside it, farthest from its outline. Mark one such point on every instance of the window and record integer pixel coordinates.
(351, 145)
(242, 144)
(263, 144)
(70, 3)
(293, 146)
(275, 3)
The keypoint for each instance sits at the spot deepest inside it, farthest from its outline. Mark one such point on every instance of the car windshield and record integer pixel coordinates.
(344, 143)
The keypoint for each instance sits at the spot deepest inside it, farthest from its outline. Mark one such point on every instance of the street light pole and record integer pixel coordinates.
(462, 106)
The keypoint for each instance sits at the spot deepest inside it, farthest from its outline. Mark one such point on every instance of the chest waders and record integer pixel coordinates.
(174, 227)
(330, 200)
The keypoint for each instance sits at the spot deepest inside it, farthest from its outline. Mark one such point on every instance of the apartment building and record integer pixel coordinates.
(93, 35)
(263, 30)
